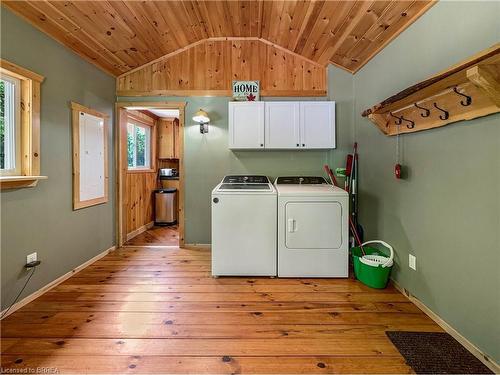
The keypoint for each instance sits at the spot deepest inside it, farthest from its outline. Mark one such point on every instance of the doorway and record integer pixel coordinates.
(150, 173)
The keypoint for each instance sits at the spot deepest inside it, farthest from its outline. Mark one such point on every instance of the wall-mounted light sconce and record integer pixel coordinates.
(202, 118)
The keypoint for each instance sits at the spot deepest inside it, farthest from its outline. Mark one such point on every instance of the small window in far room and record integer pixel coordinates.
(10, 125)
(138, 146)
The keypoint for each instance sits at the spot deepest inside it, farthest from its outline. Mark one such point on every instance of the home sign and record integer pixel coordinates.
(246, 90)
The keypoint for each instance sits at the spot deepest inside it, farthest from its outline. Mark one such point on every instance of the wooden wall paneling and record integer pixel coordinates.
(139, 185)
(208, 68)
(139, 199)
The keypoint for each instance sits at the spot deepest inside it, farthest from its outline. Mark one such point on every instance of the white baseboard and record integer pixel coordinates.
(55, 283)
(484, 358)
(140, 230)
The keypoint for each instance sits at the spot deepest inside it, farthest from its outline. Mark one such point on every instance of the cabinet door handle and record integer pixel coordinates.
(291, 225)
(262, 145)
(303, 145)
(298, 145)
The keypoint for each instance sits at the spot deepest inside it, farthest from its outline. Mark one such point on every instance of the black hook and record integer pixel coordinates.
(468, 99)
(400, 119)
(411, 125)
(427, 111)
(446, 113)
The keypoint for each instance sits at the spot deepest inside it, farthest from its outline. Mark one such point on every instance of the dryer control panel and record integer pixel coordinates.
(300, 180)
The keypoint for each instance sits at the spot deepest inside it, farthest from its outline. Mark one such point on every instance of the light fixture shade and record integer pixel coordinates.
(201, 117)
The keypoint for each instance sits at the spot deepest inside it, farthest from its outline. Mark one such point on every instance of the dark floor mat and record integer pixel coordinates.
(436, 353)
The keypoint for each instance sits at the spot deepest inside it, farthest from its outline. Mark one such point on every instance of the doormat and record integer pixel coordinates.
(436, 353)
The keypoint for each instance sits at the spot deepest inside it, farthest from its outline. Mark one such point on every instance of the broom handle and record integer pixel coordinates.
(353, 227)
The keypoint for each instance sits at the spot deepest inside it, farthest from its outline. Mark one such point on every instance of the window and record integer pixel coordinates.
(138, 146)
(10, 125)
(19, 126)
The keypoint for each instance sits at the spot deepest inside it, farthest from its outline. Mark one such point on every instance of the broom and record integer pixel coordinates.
(354, 231)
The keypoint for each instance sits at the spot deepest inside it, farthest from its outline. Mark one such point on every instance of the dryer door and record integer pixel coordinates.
(313, 225)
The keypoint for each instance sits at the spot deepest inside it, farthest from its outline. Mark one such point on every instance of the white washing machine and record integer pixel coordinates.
(313, 229)
(244, 227)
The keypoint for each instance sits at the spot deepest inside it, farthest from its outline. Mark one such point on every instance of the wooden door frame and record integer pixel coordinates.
(121, 167)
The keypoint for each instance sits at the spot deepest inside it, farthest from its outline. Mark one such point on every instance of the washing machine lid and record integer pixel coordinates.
(234, 184)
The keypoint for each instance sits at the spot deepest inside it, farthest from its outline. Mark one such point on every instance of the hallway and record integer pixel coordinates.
(156, 236)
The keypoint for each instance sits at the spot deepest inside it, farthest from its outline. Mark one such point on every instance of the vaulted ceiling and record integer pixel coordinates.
(119, 36)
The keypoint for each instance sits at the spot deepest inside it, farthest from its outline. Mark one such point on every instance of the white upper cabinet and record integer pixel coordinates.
(282, 125)
(246, 125)
(317, 124)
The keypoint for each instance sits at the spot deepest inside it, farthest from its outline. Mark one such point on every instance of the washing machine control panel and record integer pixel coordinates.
(251, 179)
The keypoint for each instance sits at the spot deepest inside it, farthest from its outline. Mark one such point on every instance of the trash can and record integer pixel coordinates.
(165, 206)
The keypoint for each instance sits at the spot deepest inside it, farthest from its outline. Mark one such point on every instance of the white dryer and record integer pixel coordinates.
(244, 227)
(313, 229)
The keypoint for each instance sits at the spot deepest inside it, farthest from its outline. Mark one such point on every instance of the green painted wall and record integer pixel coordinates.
(447, 211)
(207, 157)
(42, 219)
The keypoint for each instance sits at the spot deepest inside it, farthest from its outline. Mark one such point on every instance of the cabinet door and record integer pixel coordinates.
(246, 125)
(165, 139)
(282, 125)
(317, 124)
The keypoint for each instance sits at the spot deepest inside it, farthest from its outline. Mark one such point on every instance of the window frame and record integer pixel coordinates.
(143, 123)
(28, 173)
(76, 109)
(148, 150)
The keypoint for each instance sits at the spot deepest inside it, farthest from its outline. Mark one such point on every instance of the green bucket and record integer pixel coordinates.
(373, 276)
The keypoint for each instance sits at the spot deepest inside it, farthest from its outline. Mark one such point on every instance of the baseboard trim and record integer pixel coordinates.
(140, 230)
(56, 282)
(484, 358)
(197, 246)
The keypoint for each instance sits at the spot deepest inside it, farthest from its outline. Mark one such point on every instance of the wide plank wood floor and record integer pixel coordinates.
(157, 310)
(156, 236)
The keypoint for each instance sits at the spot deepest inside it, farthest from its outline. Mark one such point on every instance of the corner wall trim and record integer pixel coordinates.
(478, 353)
(140, 230)
(56, 282)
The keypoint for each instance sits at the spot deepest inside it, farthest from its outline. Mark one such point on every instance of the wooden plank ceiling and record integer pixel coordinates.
(119, 36)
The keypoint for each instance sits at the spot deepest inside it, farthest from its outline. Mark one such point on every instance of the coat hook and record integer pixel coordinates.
(468, 99)
(426, 113)
(400, 120)
(446, 113)
(411, 124)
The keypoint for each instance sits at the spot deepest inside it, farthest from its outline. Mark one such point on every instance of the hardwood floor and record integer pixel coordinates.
(153, 310)
(156, 236)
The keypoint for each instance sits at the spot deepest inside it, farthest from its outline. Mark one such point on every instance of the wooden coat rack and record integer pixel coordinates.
(465, 91)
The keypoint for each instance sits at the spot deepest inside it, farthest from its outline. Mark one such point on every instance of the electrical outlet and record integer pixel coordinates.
(31, 258)
(412, 262)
